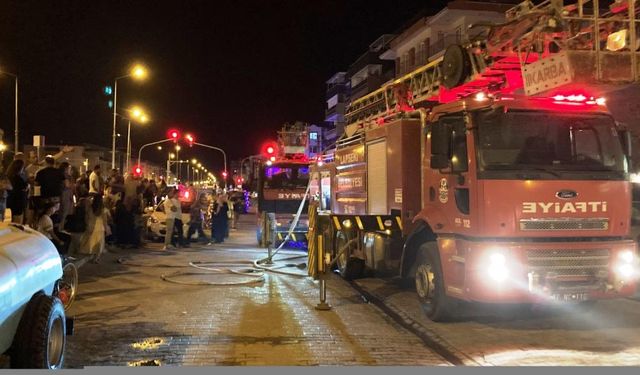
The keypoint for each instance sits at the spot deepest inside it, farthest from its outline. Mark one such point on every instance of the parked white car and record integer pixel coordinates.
(33, 325)
(156, 223)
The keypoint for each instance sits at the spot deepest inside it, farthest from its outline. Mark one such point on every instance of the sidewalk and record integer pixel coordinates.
(127, 313)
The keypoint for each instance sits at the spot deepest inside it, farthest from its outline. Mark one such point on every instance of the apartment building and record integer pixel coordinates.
(427, 38)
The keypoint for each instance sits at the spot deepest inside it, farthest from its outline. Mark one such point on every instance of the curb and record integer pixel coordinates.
(432, 339)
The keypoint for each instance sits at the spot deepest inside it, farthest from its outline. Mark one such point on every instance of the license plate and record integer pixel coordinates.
(569, 297)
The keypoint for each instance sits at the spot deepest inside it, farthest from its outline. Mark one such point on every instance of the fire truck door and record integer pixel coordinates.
(449, 164)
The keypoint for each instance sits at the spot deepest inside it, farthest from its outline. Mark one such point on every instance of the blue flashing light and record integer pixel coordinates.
(110, 104)
(108, 90)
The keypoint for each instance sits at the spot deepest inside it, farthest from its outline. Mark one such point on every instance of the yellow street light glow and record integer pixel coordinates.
(194, 161)
(139, 72)
(199, 165)
(144, 118)
(3, 147)
(178, 148)
(159, 147)
(172, 155)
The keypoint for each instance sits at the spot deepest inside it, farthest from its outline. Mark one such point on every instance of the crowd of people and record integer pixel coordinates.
(83, 213)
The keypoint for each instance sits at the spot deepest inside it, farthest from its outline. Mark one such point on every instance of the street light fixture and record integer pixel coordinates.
(140, 116)
(139, 73)
(15, 108)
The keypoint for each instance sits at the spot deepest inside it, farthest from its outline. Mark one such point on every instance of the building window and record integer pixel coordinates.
(313, 135)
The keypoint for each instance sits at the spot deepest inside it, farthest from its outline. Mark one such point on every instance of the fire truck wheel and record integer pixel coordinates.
(430, 287)
(350, 268)
(455, 66)
(40, 339)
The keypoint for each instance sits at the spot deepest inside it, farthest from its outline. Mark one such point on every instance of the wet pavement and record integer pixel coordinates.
(127, 315)
(607, 334)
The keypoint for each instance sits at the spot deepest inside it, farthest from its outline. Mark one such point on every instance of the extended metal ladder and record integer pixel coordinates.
(601, 46)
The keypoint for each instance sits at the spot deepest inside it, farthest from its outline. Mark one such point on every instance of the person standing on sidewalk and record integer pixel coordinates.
(220, 221)
(96, 185)
(172, 212)
(196, 220)
(66, 199)
(17, 200)
(93, 240)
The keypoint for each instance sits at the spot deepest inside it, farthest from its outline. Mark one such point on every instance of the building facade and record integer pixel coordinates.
(338, 96)
(369, 71)
(427, 39)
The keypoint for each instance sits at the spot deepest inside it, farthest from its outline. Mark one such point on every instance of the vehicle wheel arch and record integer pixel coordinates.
(420, 235)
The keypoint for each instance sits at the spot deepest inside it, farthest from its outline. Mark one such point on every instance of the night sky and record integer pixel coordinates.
(231, 72)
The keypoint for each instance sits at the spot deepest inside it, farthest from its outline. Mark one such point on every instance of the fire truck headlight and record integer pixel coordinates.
(625, 271)
(498, 270)
(626, 265)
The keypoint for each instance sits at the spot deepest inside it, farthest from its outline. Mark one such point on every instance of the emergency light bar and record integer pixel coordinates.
(578, 99)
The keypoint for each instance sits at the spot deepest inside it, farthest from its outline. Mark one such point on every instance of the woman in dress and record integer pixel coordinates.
(220, 222)
(93, 239)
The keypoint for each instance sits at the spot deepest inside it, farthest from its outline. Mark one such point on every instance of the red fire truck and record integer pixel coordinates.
(494, 174)
(282, 182)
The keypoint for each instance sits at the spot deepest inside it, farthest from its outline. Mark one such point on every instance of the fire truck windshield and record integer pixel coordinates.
(286, 177)
(559, 145)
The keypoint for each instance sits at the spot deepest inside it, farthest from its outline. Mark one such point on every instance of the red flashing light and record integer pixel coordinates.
(224, 174)
(174, 135)
(270, 149)
(577, 99)
(137, 170)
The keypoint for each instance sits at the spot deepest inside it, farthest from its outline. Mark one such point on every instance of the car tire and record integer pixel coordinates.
(41, 336)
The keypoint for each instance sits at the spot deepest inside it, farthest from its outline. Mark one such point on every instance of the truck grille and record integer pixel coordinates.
(564, 224)
(566, 263)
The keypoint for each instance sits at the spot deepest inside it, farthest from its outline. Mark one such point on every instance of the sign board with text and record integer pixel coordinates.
(547, 73)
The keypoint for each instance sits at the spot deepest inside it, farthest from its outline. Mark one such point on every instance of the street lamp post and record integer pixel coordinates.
(15, 77)
(178, 158)
(141, 117)
(138, 72)
(223, 154)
